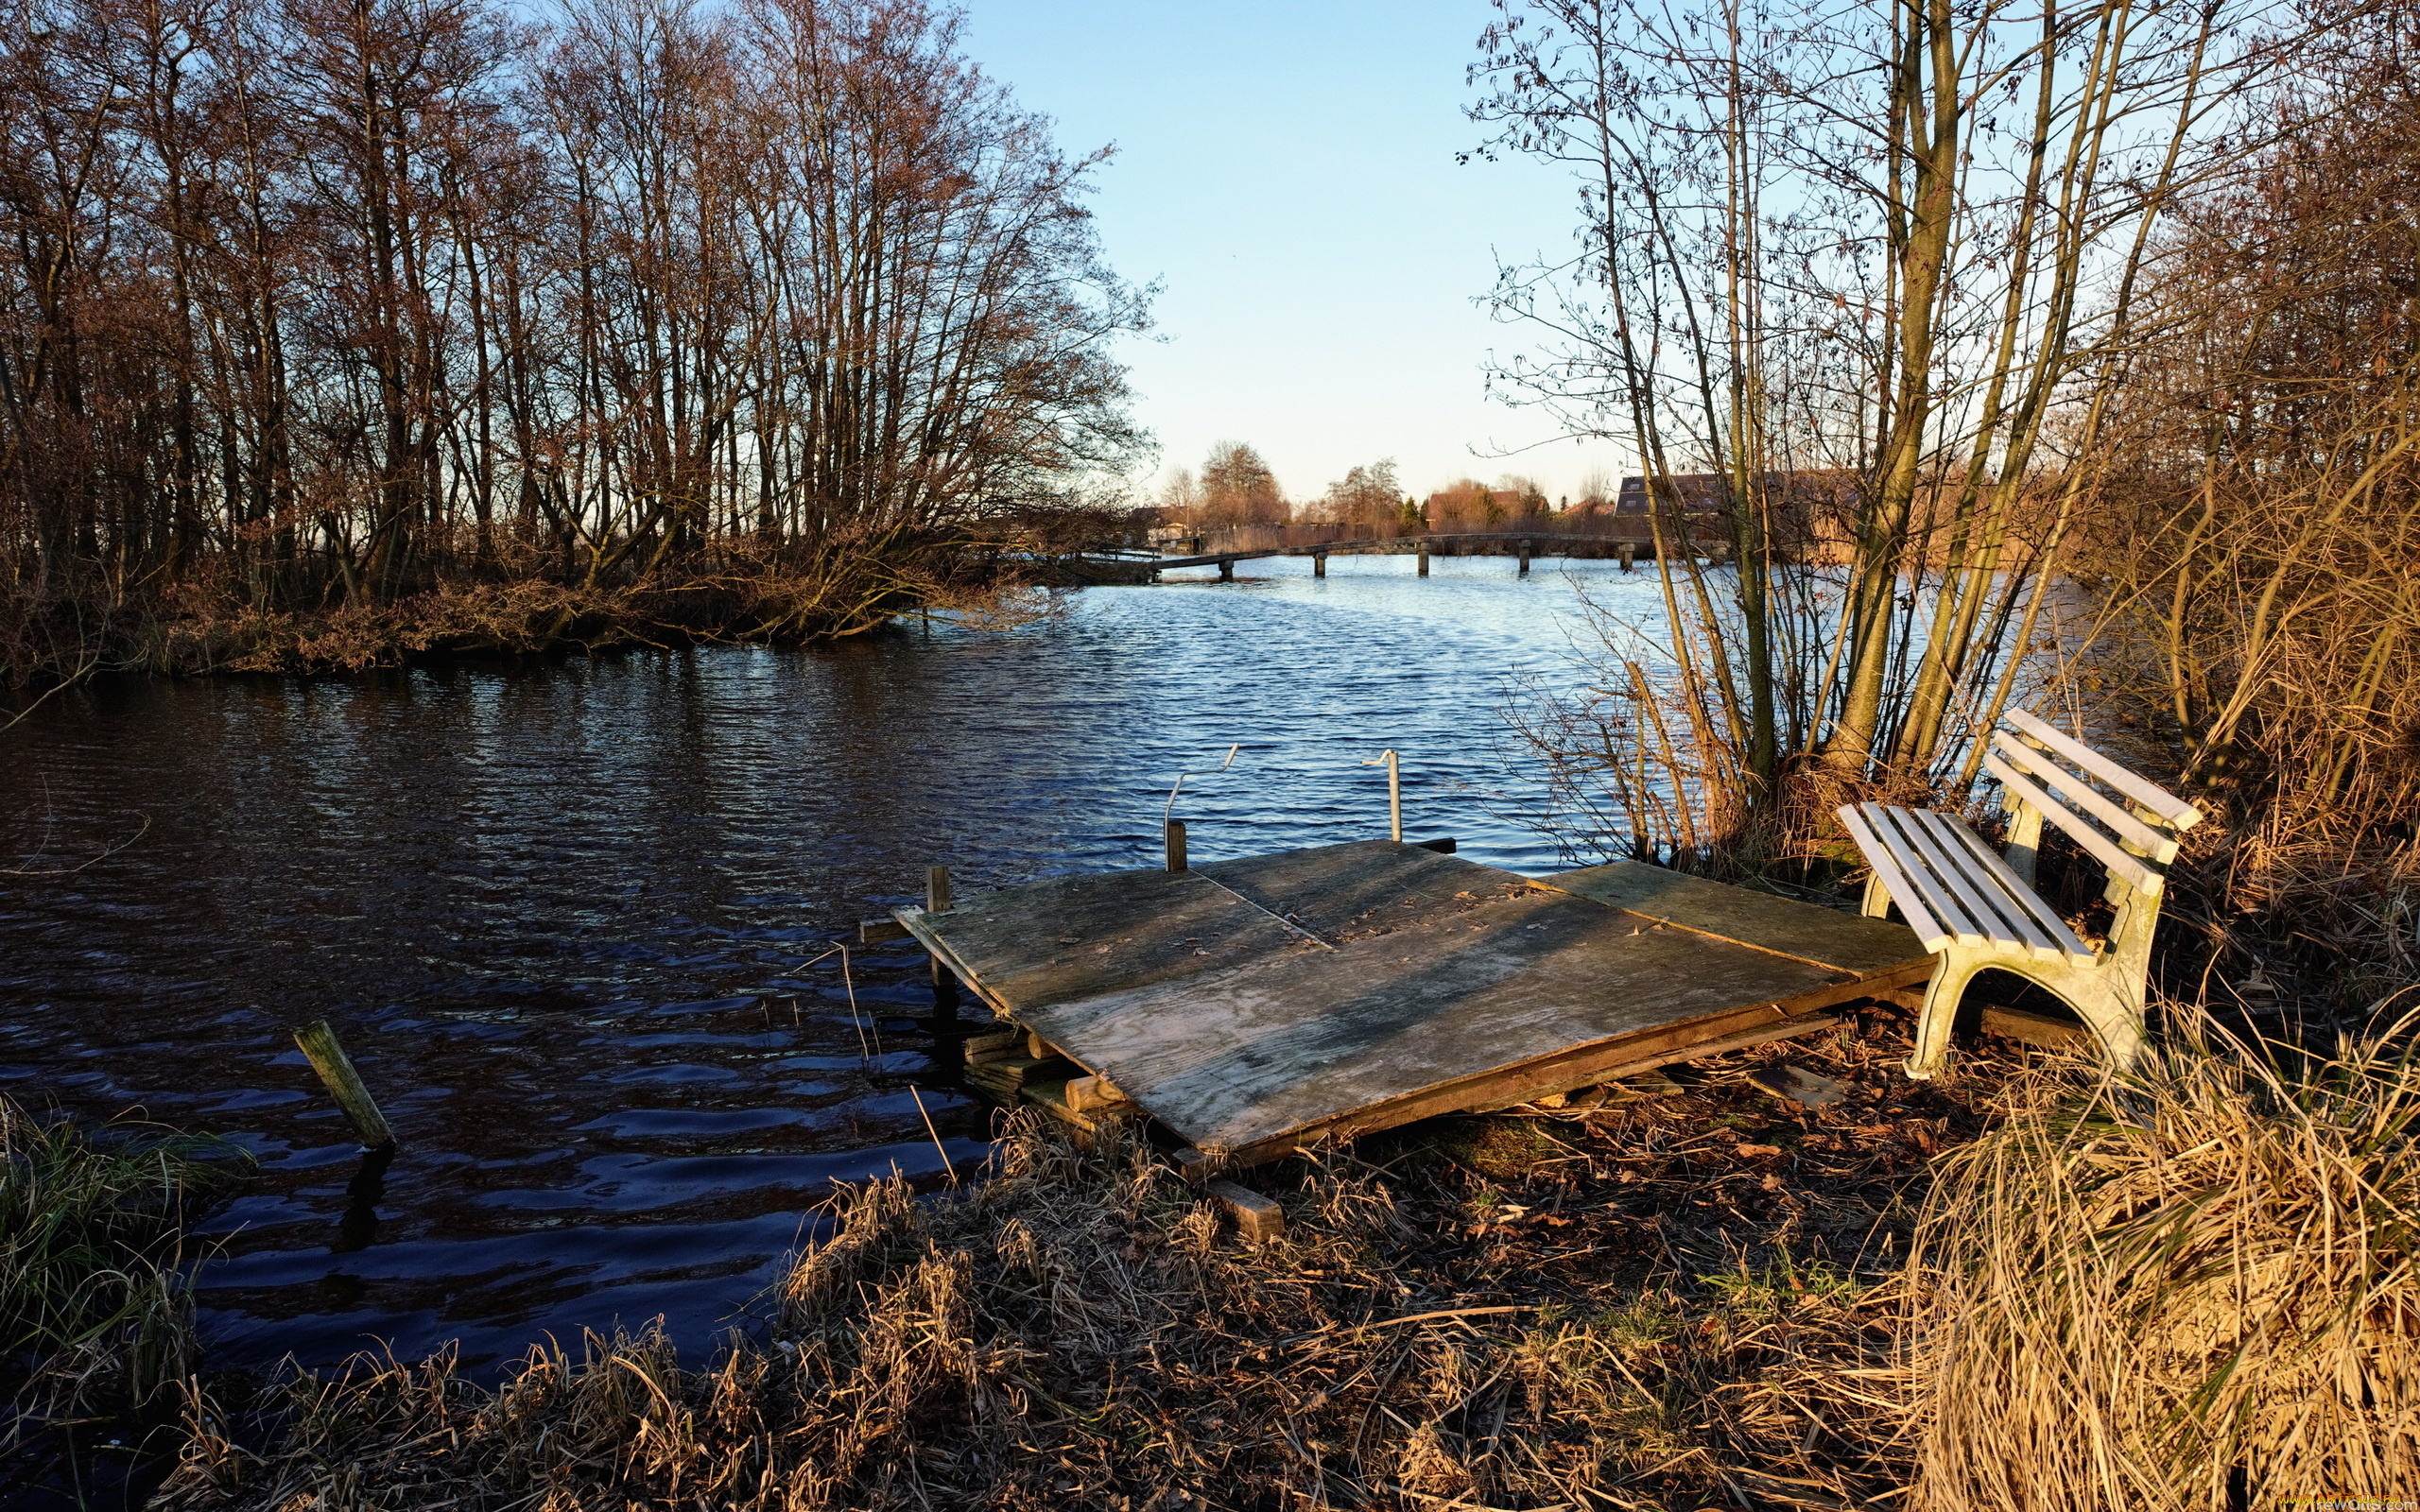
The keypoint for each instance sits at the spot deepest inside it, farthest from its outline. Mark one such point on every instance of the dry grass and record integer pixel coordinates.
(519, 599)
(2189, 1290)
(1675, 1302)
(2022, 1288)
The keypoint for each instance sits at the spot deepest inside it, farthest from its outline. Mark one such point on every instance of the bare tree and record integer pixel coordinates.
(321, 307)
(1237, 488)
(1857, 260)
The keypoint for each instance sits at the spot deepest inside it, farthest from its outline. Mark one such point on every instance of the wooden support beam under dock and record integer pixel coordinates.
(1258, 1006)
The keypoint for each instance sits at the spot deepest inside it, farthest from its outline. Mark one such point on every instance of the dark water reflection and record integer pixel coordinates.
(573, 918)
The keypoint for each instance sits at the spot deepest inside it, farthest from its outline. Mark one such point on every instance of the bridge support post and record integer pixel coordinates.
(1227, 571)
(1423, 557)
(1524, 559)
(1319, 564)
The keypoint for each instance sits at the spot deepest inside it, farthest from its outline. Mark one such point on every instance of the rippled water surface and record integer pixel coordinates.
(574, 919)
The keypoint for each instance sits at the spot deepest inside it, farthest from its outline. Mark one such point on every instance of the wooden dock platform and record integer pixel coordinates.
(1258, 1006)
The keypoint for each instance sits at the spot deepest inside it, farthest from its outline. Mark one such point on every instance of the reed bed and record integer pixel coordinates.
(95, 1327)
(1678, 1300)
(2190, 1288)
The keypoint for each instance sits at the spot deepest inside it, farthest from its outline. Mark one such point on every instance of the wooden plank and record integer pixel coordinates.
(1844, 942)
(1290, 1039)
(1587, 1067)
(2034, 1028)
(2063, 939)
(1916, 867)
(2160, 845)
(2140, 877)
(1627, 1059)
(2000, 912)
(1363, 887)
(2150, 796)
(1929, 931)
(1068, 937)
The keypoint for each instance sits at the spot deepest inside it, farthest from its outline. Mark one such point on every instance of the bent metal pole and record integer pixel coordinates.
(1394, 791)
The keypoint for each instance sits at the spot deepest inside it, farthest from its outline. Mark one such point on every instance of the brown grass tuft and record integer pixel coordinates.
(1678, 1301)
(2180, 1290)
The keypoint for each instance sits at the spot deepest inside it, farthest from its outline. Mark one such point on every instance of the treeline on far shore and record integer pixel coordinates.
(330, 331)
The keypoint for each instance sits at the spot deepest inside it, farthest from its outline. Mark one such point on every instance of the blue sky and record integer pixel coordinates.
(1287, 172)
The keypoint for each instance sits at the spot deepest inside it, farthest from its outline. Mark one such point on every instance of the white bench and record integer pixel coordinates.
(1978, 911)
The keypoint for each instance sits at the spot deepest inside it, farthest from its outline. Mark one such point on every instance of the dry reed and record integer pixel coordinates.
(1672, 1301)
(2192, 1288)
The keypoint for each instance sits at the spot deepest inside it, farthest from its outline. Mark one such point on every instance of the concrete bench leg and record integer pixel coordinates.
(1940, 1012)
(2098, 993)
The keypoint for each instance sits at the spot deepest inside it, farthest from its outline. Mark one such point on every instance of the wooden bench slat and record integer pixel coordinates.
(2003, 920)
(2063, 939)
(2142, 878)
(1940, 902)
(2160, 845)
(1918, 856)
(1930, 933)
(2158, 799)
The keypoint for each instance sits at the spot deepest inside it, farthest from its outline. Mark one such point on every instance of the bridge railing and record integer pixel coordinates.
(1593, 526)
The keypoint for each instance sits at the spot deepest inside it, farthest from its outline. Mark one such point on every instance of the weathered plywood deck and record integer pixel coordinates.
(1257, 1004)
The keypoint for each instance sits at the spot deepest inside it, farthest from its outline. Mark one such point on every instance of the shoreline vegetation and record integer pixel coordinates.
(376, 323)
(740, 592)
(2021, 1287)
(328, 329)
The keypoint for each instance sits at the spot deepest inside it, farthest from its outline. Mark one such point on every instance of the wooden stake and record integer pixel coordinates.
(1524, 559)
(1423, 555)
(319, 1047)
(937, 901)
(1176, 844)
(1256, 1217)
(1319, 564)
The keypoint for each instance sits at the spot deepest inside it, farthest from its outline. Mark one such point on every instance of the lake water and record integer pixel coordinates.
(574, 919)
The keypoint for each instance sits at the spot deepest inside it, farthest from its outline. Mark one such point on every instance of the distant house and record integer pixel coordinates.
(1695, 492)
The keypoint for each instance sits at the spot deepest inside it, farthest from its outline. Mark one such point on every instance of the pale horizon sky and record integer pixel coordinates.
(1287, 173)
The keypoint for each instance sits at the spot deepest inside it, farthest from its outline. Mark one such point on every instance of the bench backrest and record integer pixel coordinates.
(2131, 828)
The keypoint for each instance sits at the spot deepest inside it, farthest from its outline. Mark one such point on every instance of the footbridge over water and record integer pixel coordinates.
(1146, 566)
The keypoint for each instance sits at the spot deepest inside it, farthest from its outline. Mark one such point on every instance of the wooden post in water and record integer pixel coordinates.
(1319, 564)
(1227, 570)
(1176, 844)
(1524, 559)
(1423, 555)
(937, 901)
(319, 1047)
(1627, 551)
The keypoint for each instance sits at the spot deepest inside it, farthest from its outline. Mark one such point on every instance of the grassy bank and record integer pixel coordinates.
(96, 1342)
(2022, 1287)
(1681, 1300)
(514, 597)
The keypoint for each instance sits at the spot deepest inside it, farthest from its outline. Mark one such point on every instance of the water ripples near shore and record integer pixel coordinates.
(575, 918)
